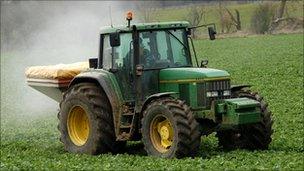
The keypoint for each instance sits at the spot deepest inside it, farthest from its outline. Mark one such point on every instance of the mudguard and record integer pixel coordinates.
(235, 88)
(109, 85)
(155, 96)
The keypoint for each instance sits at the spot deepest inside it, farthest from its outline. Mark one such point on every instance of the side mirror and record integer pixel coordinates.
(114, 39)
(188, 32)
(93, 62)
(212, 33)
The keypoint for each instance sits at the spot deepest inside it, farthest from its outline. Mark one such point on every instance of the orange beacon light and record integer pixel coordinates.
(129, 17)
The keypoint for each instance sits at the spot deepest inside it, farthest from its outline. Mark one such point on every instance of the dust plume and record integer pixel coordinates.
(45, 33)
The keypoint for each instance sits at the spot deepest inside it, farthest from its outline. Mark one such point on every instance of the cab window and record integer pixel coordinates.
(164, 48)
(107, 53)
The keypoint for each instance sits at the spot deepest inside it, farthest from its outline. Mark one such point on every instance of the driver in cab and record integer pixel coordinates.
(146, 57)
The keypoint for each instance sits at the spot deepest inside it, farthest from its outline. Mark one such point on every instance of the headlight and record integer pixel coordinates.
(226, 93)
(212, 94)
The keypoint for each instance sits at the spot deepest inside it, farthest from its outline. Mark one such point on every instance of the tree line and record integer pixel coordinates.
(267, 15)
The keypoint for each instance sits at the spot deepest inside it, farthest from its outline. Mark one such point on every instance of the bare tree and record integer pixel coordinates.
(220, 10)
(280, 21)
(281, 9)
(196, 14)
(236, 20)
(262, 18)
(227, 19)
(147, 10)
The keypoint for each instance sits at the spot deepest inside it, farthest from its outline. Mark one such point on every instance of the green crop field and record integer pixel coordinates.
(272, 64)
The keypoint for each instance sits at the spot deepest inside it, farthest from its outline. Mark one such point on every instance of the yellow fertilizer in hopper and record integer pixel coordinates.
(52, 80)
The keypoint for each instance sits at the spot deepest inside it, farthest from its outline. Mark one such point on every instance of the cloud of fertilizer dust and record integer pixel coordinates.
(44, 33)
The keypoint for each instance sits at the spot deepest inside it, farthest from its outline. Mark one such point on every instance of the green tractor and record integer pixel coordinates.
(145, 86)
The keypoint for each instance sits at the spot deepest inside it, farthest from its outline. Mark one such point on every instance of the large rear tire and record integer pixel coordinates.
(255, 136)
(85, 121)
(169, 129)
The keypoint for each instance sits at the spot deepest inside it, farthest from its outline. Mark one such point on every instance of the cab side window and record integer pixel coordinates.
(122, 55)
(107, 53)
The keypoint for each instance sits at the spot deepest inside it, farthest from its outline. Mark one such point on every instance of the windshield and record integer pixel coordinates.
(165, 48)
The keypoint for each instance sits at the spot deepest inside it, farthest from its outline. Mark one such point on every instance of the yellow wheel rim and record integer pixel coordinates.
(161, 132)
(78, 125)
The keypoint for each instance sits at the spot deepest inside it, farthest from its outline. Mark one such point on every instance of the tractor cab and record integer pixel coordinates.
(139, 54)
(142, 50)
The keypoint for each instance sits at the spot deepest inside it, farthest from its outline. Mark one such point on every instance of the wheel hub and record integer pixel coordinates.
(78, 125)
(165, 131)
(162, 134)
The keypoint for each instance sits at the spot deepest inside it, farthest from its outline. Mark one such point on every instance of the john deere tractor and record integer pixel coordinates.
(145, 86)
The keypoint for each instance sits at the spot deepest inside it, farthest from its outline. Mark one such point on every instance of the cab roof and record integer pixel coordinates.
(145, 26)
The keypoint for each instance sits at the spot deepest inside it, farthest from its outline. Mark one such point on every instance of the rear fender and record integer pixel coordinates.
(109, 85)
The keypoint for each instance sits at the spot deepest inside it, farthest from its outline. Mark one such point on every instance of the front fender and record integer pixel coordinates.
(156, 96)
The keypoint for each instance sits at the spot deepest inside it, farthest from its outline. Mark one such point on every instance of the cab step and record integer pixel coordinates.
(126, 123)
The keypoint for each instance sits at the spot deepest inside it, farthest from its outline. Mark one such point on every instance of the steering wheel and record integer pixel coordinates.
(177, 64)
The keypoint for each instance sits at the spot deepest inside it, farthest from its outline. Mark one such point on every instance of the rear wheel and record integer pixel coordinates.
(249, 136)
(169, 129)
(85, 121)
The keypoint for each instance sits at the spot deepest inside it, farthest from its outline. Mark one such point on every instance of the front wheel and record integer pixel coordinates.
(169, 129)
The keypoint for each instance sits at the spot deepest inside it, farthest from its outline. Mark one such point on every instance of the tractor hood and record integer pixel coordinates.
(191, 74)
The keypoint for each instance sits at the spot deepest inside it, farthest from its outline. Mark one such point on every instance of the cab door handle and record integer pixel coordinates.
(139, 70)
